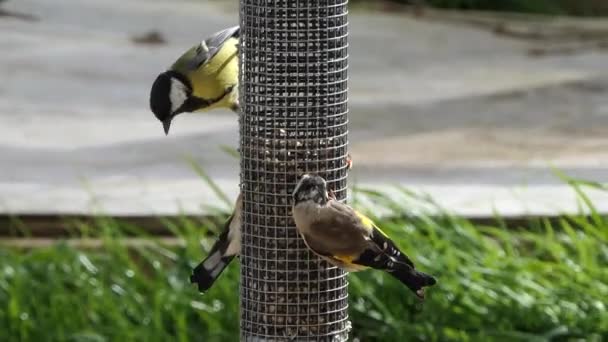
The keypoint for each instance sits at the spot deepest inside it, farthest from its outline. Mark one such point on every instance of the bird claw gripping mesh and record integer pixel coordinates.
(293, 94)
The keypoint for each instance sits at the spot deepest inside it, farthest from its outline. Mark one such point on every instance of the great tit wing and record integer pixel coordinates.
(215, 42)
(209, 47)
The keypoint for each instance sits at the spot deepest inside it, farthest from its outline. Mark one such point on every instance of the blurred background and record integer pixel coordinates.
(497, 110)
(479, 105)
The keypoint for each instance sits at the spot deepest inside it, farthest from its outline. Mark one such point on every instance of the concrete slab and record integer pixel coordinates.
(477, 122)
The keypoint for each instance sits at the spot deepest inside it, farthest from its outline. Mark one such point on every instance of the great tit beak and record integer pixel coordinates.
(167, 125)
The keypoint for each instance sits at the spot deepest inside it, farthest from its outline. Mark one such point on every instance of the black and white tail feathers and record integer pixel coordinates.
(223, 251)
(389, 258)
(410, 277)
(205, 273)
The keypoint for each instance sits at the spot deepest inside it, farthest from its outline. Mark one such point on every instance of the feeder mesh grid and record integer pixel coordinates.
(293, 91)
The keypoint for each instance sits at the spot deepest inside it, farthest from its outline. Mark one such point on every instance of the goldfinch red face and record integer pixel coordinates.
(311, 188)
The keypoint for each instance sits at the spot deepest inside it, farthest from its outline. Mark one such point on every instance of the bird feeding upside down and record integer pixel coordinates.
(223, 251)
(348, 239)
(205, 77)
(227, 246)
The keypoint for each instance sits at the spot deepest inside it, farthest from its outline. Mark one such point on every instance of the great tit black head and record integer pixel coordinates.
(169, 94)
(311, 187)
(202, 78)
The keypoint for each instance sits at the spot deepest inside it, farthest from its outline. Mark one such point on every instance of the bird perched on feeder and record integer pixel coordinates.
(203, 78)
(347, 238)
(223, 251)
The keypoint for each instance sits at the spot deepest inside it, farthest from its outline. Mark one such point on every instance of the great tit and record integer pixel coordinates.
(203, 78)
(223, 251)
(348, 239)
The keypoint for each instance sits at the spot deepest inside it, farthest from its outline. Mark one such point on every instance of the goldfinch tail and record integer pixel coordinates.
(205, 273)
(413, 279)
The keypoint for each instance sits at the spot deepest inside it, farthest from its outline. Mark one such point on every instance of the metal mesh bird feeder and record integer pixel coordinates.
(293, 92)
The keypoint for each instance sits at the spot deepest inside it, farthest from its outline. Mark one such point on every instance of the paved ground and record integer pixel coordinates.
(476, 120)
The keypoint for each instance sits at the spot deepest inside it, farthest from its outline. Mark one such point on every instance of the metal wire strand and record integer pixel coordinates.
(293, 91)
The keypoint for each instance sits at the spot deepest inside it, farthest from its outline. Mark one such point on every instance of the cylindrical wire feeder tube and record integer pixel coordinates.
(293, 93)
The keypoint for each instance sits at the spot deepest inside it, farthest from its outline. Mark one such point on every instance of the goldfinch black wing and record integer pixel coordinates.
(384, 255)
(386, 245)
(223, 251)
(355, 242)
(207, 271)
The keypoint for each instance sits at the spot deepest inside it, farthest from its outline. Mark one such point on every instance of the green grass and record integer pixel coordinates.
(540, 282)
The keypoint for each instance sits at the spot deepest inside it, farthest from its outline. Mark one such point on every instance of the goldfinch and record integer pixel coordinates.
(203, 78)
(348, 239)
(223, 251)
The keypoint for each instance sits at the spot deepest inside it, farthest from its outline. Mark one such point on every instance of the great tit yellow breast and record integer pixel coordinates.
(213, 78)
